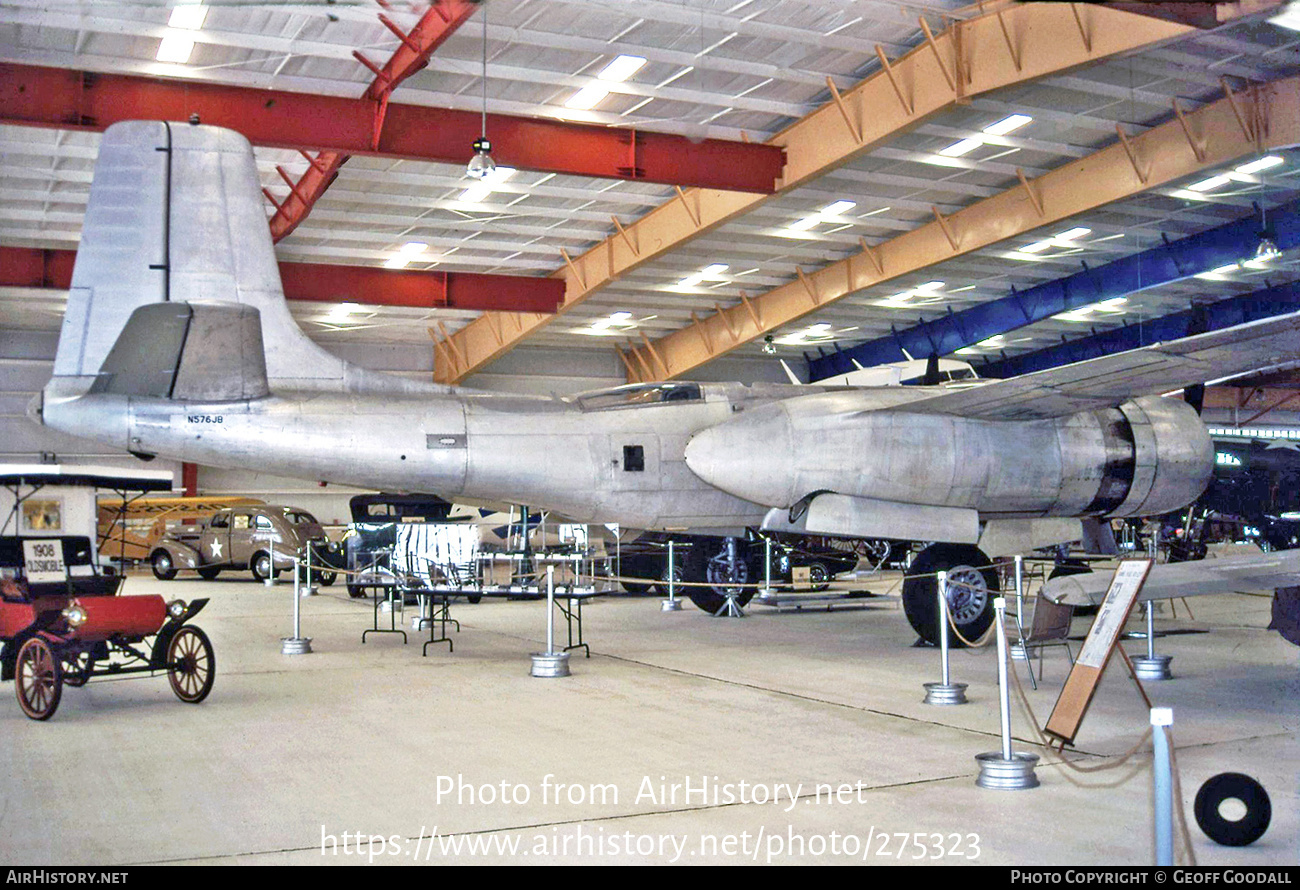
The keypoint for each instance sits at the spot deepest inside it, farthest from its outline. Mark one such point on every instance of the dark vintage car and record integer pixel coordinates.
(646, 561)
(245, 537)
(75, 628)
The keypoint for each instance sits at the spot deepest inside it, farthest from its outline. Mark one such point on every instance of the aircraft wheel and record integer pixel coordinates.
(38, 679)
(972, 587)
(163, 567)
(191, 665)
(726, 569)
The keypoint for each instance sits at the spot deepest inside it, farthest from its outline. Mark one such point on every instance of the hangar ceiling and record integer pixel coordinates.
(743, 70)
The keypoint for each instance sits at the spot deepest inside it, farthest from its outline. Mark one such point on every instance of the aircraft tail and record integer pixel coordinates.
(175, 218)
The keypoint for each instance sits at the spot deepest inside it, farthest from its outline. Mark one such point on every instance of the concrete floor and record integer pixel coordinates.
(354, 738)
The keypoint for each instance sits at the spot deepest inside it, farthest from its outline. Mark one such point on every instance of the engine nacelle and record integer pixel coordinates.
(1148, 456)
(1172, 456)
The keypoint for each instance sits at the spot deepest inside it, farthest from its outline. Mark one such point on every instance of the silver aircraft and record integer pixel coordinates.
(177, 341)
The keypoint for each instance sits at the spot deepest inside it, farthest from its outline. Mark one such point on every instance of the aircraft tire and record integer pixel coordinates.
(707, 562)
(973, 587)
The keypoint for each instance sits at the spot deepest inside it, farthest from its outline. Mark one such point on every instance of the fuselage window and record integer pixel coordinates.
(633, 459)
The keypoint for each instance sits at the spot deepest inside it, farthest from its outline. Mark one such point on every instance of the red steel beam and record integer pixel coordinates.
(328, 283)
(412, 54)
(77, 100)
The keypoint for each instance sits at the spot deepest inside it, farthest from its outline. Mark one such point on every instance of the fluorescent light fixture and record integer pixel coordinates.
(342, 310)
(621, 68)
(621, 316)
(1216, 273)
(957, 149)
(1036, 247)
(397, 261)
(803, 225)
(475, 193)
(1007, 124)
(189, 16)
(838, 208)
(690, 281)
(1288, 18)
(175, 48)
(586, 98)
(714, 269)
(929, 286)
(1206, 184)
(1260, 164)
(413, 247)
(1071, 234)
(486, 186)
(821, 327)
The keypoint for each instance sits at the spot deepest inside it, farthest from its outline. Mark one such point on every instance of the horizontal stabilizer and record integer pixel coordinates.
(209, 352)
(1252, 571)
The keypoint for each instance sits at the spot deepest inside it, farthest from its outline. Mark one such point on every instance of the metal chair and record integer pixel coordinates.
(1050, 627)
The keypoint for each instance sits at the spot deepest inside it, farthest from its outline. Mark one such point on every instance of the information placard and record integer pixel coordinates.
(1079, 687)
(43, 561)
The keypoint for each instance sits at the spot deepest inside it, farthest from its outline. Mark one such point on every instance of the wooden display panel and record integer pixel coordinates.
(1072, 704)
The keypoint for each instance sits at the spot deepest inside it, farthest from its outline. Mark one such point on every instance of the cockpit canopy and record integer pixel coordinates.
(636, 394)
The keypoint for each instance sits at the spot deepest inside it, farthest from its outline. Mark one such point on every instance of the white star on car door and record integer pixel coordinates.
(216, 549)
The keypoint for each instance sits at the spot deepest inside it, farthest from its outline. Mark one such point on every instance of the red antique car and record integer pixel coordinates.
(78, 628)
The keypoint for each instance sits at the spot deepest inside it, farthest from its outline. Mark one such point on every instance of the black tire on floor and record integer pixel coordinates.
(208, 574)
(356, 591)
(1227, 786)
(636, 588)
(972, 587)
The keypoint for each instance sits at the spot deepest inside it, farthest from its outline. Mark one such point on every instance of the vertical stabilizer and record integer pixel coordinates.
(122, 258)
(176, 215)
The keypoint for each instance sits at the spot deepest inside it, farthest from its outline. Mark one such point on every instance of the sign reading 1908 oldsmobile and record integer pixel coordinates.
(43, 561)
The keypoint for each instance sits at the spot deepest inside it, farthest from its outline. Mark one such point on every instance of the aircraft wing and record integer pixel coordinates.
(1112, 379)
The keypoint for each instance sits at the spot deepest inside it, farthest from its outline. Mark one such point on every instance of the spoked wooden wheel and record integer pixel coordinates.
(38, 679)
(191, 665)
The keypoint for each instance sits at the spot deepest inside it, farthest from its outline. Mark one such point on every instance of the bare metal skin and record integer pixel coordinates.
(177, 341)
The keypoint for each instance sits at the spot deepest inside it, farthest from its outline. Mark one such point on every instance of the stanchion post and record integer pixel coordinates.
(1005, 770)
(672, 604)
(944, 692)
(269, 580)
(767, 565)
(1020, 653)
(1162, 776)
(1152, 666)
(550, 663)
(296, 644)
